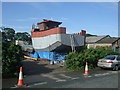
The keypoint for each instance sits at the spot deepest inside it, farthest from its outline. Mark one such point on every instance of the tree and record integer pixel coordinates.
(8, 34)
(11, 56)
(87, 35)
(24, 36)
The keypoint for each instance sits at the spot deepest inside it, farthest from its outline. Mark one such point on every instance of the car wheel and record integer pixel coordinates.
(115, 68)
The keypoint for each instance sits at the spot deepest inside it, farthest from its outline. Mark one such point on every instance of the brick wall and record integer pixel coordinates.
(58, 30)
(82, 33)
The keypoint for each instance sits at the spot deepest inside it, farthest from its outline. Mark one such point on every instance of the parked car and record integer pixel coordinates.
(110, 61)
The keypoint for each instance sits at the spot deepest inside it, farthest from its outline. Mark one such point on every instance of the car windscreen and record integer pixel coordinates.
(110, 57)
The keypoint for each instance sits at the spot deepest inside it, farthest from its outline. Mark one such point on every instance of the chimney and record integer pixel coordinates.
(44, 19)
(83, 32)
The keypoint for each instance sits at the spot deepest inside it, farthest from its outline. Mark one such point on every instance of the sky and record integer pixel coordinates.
(98, 18)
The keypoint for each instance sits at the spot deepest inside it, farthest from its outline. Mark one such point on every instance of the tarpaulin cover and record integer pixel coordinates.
(35, 55)
(48, 55)
(60, 56)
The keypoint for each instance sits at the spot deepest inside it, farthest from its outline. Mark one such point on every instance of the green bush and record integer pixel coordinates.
(11, 57)
(76, 61)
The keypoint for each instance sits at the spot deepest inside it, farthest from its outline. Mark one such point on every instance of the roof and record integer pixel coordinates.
(108, 40)
(46, 21)
(94, 39)
(43, 21)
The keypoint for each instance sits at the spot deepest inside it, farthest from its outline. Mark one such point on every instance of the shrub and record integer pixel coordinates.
(76, 61)
(11, 56)
(72, 61)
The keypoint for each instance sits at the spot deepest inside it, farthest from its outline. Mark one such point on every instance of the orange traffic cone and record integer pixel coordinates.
(86, 69)
(20, 81)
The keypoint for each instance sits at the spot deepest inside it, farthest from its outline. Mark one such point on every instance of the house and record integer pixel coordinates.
(92, 40)
(104, 41)
(112, 42)
(48, 36)
(21, 42)
(25, 45)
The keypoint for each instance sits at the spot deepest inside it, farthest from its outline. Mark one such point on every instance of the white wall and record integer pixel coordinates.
(44, 42)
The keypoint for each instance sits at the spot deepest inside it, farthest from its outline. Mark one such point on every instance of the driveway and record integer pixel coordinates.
(31, 67)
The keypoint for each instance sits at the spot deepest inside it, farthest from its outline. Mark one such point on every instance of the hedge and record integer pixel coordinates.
(76, 61)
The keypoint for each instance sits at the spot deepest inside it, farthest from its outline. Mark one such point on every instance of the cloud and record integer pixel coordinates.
(27, 19)
(22, 27)
(60, 19)
(16, 27)
(51, 18)
(64, 18)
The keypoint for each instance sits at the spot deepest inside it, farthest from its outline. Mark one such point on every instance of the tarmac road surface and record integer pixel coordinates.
(106, 79)
(56, 77)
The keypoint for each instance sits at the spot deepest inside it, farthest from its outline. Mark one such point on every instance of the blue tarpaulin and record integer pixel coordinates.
(48, 55)
(35, 55)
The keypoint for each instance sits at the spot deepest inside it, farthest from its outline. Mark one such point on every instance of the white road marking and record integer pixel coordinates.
(37, 84)
(60, 80)
(75, 78)
(63, 75)
(87, 76)
(13, 87)
(54, 78)
(40, 83)
(114, 72)
(98, 75)
(16, 86)
(101, 74)
(105, 73)
(29, 86)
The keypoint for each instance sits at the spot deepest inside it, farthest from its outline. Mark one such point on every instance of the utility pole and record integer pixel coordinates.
(72, 43)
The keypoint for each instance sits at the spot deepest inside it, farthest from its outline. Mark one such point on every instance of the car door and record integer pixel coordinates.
(118, 59)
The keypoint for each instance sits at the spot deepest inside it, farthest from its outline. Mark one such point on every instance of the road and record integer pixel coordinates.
(106, 79)
(59, 78)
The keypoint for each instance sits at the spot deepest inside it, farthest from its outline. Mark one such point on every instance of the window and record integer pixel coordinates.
(118, 58)
(110, 57)
(36, 30)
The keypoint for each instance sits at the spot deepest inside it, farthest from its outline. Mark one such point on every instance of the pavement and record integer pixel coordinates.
(40, 74)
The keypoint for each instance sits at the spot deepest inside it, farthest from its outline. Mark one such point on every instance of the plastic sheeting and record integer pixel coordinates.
(35, 55)
(48, 55)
